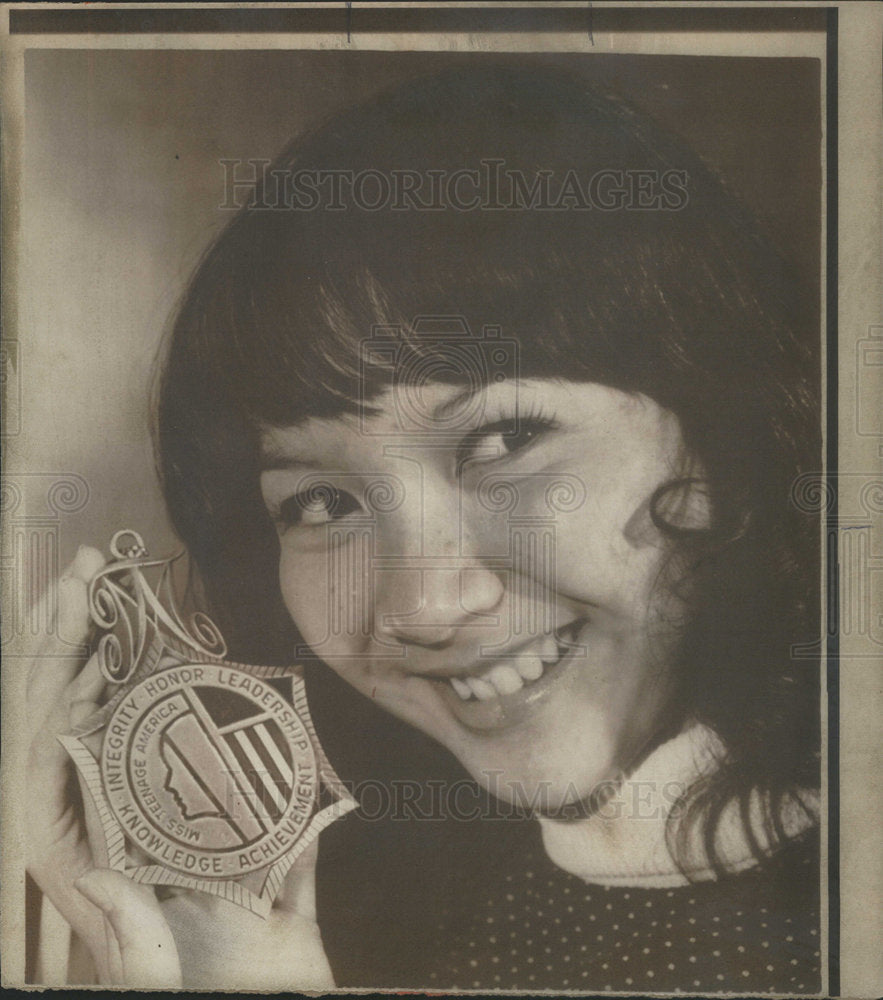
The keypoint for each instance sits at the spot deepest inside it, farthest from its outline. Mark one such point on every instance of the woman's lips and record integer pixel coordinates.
(500, 693)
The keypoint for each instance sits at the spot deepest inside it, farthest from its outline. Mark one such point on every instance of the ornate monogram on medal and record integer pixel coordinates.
(198, 772)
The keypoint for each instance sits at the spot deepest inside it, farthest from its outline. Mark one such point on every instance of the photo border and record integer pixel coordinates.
(25, 21)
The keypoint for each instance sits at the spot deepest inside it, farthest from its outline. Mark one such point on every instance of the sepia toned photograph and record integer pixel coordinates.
(419, 464)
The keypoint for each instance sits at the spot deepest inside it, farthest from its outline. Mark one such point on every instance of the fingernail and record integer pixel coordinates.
(70, 571)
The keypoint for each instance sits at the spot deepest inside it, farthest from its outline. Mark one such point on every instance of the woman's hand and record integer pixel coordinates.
(209, 943)
(223, 945)
(189, 939)
(125, 932)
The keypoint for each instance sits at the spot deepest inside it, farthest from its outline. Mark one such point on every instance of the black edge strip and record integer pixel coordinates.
(355, 20)
(831, 458)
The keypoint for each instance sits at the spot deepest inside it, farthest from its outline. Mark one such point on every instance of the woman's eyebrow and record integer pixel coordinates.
(273, 457)
(455, 402)
(277, 463)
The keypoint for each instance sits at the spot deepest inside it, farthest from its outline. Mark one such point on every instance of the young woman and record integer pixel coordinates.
(487, 409)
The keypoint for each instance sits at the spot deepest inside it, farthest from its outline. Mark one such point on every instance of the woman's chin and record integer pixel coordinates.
(536, 786)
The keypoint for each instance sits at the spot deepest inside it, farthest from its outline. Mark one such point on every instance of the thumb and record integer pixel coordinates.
(146, 953)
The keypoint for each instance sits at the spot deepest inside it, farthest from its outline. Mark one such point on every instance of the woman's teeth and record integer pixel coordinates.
(483, 690)
(509, 677)
(532, 669)
(462, 688)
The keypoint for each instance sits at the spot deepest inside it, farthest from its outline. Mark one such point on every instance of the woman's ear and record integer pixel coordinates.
(678, 506)
(684, 505)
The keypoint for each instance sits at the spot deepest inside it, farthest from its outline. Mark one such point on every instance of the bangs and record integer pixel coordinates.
(311, 313)
(289, 327)
(298, 313)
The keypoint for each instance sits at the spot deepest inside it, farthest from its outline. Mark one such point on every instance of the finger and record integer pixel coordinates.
(65, 603)
(44, 606)
(85, 692)
(55, 663)
(56, 660)
(55, 875)
(86, 563)
(298, 892)
(48, 761)
(96, 835)
(148, 956)
(74, 617)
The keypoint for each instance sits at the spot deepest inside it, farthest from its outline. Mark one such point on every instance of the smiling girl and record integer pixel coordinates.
(511, 475)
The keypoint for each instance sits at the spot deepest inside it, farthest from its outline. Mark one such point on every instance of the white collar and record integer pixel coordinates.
(624, 842)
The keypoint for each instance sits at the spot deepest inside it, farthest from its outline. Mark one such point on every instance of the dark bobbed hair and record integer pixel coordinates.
(689, 306)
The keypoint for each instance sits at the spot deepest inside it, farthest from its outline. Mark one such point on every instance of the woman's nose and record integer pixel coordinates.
(426, 594)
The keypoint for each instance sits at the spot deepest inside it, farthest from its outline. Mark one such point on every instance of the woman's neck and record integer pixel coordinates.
(627, 838)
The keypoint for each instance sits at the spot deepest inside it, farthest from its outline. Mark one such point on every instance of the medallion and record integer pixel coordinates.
(199, 772)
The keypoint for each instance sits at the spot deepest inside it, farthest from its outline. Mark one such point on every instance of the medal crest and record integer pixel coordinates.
(199, 772)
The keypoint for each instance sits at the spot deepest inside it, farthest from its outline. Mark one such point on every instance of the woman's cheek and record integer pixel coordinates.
(303, 578)
(601, 560)
(325, 598)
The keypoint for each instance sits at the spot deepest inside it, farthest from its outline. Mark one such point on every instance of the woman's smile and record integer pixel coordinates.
(498, 691)
(530, 637)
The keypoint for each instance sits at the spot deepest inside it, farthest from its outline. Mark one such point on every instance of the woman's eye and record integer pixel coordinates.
(498, 439)
(526, 434)
(319, 505)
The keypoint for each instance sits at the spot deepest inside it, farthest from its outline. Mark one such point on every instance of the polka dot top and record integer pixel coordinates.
(543, 928)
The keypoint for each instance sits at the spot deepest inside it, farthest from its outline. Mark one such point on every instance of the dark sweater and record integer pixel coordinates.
(755, 932)
(480, 906)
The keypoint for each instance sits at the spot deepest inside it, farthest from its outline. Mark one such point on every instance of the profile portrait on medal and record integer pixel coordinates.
(229, 770)
(478, 421)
